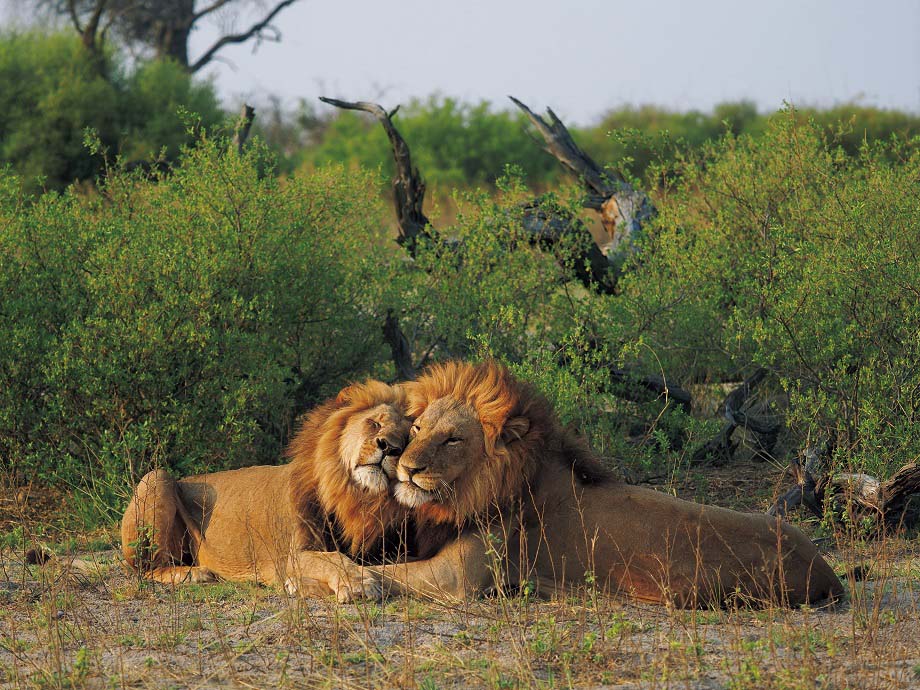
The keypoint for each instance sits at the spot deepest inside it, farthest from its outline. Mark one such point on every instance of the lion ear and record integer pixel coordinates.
(514, 429)
(345, 395)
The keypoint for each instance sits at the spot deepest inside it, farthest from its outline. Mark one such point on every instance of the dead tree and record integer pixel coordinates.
(408, 186)
(623, 209)
(720, 449)
(544, 228)
(888, 505)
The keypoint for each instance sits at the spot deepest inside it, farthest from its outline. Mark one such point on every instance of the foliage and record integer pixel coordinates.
(785, 252)
(182, 321)
(51, 91)
(454, 144)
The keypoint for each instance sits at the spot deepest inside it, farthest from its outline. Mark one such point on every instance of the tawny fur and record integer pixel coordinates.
(289, 524)
(563, 519)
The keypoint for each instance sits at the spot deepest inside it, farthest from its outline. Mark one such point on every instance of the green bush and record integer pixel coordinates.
(785, 252)
(51, 91)
(184, 320)
(181, 322)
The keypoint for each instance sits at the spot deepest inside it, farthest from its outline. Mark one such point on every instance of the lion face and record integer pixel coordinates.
(371, 443)
(447, 441)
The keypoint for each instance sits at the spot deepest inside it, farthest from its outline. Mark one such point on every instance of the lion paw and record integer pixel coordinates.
(363, 586)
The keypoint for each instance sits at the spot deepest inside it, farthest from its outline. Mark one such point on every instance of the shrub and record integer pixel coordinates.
(782, 251)
(51, 91)
(181, 322)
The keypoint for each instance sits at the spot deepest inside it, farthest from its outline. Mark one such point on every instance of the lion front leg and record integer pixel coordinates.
(181, 575)
(320, 573)
(463, 568)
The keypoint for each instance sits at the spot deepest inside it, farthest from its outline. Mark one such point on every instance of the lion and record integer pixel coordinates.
(301, 524)
(489, 471)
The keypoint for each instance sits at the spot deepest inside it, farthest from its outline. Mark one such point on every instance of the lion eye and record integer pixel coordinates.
(375, 425)
(452, 441)
(414, 430)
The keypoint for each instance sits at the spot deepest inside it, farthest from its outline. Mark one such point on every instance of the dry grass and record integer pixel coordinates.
(103, 628)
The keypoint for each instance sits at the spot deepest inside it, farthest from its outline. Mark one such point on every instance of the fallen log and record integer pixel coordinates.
(720, 449)
(890, 505)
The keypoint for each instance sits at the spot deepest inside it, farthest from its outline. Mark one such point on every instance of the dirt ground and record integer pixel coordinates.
(100, 627)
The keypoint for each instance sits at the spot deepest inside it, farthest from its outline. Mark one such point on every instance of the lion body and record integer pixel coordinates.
(526, 482)
(291, 524)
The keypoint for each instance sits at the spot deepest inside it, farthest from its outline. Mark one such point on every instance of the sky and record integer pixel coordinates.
(583, 57)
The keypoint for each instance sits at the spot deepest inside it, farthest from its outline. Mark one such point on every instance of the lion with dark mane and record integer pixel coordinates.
(489, 465)
(300, 524)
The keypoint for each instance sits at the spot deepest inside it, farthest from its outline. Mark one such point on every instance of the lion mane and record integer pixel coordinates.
(295, 523)
(508, 468)
(489, 463)
(322, 494)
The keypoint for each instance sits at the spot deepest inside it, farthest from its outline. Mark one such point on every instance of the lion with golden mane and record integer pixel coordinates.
(300, 524)
(502, 494)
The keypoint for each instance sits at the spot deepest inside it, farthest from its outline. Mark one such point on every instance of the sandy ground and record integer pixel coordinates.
(99, 626)
(103, 628)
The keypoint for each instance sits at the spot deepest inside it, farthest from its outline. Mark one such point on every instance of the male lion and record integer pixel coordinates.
(489, 461)
(282, 524)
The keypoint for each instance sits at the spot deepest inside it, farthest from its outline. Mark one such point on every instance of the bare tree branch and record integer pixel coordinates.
(244, 124)
(562, 147)
(408, 186)
(623, 209)
(253, 30)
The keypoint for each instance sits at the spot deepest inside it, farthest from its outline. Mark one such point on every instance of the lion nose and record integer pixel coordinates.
(388, 448)
(414, 470)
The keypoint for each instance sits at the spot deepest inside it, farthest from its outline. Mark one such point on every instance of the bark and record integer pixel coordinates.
(408, 186)
(623, 209)
(720, 449)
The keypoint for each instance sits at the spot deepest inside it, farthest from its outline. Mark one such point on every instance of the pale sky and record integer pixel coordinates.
(583, 57)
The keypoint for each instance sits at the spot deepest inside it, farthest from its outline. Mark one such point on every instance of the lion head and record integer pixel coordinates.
(341, 456)
(474, 442)
(371, 442)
